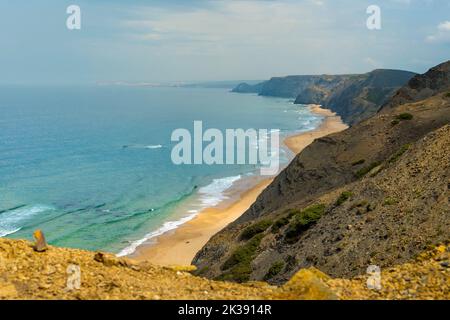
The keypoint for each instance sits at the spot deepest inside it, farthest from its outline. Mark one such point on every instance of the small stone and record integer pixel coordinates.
(40, 244)
(107, 260)
(445, 264)
(308, 284)
(441, 249)
(44, 286)
(49, 270)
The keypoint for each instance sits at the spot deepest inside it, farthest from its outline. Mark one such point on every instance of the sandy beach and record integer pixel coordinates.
(331, 124)
(179, 246)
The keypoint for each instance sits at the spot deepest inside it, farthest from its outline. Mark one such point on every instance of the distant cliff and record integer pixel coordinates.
(376, 193)
(354, 97)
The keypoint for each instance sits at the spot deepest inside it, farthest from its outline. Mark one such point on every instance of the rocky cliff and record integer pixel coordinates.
(353, 97)
(420, 87)
(377, 193)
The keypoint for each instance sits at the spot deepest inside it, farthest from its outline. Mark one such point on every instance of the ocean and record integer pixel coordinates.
(91, 166)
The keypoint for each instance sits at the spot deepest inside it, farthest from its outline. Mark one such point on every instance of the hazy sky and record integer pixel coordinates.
(160, 41)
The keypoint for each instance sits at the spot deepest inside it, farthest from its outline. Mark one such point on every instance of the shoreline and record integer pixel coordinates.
(179, 246)
(332, 123)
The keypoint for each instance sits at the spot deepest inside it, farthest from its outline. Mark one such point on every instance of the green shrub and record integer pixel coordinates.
(390, 201)
(404, 116)
(280, 223)
(240, 273)
(292, 212)
(447, 95)
(255, 229)
(395, 122)
(358, 162)
(343, 197)
(399, 153)
(275, 269)
(302, 221)
(239, 263)
(363, 171)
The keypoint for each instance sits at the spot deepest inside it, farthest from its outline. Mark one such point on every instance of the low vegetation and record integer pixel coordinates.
(280, 223)
(363, 171)
(343, 197)
(356, 163)
(255, 229)
(275, 269)
(405, 116)
(402, 117)
(447, 95)
(399, 153)
(390, 201)
(303, 221)
(239, 263)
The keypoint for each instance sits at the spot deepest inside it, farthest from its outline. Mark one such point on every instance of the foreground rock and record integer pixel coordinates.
(40, 244)
(27, 274)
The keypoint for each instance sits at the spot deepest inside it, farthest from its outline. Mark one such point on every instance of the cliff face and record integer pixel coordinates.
(353, 97)
(363, 97)
(376, 193)
(435, 81)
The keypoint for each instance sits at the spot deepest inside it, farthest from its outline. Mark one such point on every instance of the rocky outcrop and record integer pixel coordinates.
(376, 193)
(420, 87)
(363, 97)
(353, 97)
(247, 88)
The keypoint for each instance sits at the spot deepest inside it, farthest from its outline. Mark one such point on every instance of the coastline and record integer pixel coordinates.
(179, 246)
(332, 123)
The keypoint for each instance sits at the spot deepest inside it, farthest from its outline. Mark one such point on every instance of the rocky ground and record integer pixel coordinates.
(426, 278)
(50, 274)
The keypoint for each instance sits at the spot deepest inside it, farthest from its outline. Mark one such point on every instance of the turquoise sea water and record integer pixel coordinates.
(91, 166)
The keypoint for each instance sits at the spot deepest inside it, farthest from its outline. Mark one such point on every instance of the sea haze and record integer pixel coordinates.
(91, 166)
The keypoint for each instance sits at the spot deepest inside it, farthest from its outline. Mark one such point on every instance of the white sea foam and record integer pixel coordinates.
(140, 146)
(156, 146)
(212, 194)
(209, 196)
(13, 220)
(167, 226)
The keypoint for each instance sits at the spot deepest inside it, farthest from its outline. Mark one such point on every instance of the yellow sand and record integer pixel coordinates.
(331, 124)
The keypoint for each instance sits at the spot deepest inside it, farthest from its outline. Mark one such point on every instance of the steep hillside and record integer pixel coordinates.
(27, 274)
(353, 97)
(348, 200)
(435, 81)
(363, 97)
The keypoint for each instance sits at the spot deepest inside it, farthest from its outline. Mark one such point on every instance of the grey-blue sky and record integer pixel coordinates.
(159, 41)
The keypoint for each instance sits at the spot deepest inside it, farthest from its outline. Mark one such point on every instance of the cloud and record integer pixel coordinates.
(442, 34)
(318, 2)
(373, 63)
(226, 25)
